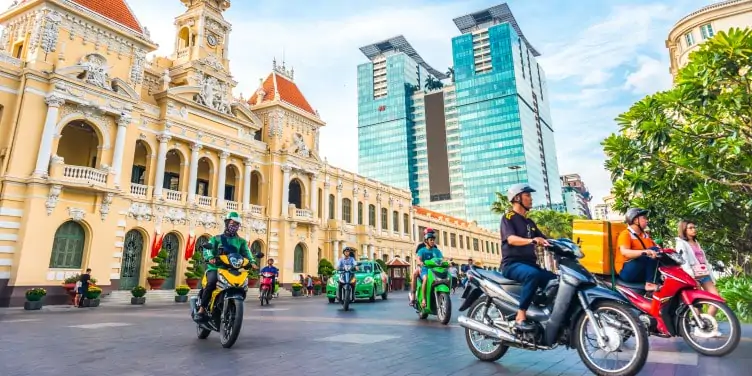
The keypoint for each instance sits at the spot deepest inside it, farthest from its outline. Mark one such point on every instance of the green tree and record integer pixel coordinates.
(196, 267)
(161, 268)
(687, 152)
(501, 205)
(326, 268)
(382, 263)
(552, 223)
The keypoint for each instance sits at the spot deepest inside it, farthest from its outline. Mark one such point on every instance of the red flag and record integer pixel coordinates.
(156, 245)
(190, 247)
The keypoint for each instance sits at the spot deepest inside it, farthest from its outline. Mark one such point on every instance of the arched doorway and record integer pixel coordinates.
(257, 247)
(295, 194)
(173, 165)
(299, 259)
(141, 159)
(130, 265)
(255, 188)
(78, 144)
(68, 246)
(171, 245)
(203, 177)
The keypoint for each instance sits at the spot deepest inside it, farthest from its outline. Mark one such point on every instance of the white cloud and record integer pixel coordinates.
(651, 76)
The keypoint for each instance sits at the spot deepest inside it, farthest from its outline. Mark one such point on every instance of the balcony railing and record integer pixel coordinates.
(304, 213)
(205, 201)
(256, 209)
(171, 195)
(139, 190)
(231, 205)
(86, 175)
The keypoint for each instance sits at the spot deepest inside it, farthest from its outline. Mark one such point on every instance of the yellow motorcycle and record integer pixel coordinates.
(225, 310)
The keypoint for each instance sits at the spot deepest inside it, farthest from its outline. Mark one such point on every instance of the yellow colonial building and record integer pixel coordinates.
(102, 152)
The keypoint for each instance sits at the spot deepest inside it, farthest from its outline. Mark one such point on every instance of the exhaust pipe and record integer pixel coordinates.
(482, 328)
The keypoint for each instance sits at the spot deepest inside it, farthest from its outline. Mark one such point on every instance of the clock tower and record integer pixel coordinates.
(202, 32)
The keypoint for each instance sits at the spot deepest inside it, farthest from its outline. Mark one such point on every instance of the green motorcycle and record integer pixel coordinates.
(439, 283)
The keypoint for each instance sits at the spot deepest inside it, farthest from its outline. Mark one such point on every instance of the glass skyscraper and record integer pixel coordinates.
(487, 130)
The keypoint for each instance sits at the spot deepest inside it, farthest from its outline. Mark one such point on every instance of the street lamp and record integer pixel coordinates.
(516, 169)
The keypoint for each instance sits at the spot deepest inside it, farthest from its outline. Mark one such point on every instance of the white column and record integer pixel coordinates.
(193, 172)
(371, 250)
(412, 225)
(117, 159)
(44, 154)
(161, 159)
(340, 216)
(314, 195)
(364, 250)
(335, 250)
(378, 214)
(285, 189)
(247, 184)
(222, 177)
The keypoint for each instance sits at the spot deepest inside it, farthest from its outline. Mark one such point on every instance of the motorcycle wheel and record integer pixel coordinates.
(231, 326)
(487, 356)
(444, 307)
(346, 298)
(261, 297)
(685, 330)
(639, 332)
(268, 296)
(372, 298)
(202, 333)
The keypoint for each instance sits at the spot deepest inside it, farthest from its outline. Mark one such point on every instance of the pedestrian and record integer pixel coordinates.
(455, 277)
(309, 285)
(85, 280)
(77, 290)
(696, 263)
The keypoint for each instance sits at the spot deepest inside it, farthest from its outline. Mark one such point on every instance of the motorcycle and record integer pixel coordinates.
(673, 309)
(438, 283)
(225, 309)
(267, 290)
(561, 314)
(346, 287)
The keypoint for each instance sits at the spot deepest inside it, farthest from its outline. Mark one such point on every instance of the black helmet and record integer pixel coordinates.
(517, 189)
(347, 250)
(633, 213)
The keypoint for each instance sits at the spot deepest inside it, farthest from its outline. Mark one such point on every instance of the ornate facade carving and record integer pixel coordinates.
(51, 31)
(76, 214)
(177, 111)
(105, 208)
(276, 119)
(214, 95)
(140, 211)
(52, 198)
(211, 61)
(137, 67)
(301, 148)
(96, 71)
(206, 220)
(172, 215)
(258, 226)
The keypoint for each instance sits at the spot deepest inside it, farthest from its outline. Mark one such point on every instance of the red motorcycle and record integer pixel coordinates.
(267, 288)
(676, 308)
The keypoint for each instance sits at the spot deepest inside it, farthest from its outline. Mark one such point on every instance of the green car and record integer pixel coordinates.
(370, 281)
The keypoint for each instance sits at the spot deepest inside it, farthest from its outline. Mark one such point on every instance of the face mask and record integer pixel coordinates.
(232, 229)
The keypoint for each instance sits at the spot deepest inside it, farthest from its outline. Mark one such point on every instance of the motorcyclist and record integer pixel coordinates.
(637, 251)
(225, 243)
(348, 258)
(416, 272)
(519, 262)
(429, 252)
(270, 268)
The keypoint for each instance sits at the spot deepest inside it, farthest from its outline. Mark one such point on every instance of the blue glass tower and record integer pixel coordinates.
(505, 125)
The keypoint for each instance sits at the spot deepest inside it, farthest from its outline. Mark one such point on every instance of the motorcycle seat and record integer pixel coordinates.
(640, 286)
(496, 277)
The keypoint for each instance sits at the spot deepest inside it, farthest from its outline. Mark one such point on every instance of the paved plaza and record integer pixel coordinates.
(293, 336)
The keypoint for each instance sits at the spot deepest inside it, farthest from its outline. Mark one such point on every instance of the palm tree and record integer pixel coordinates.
(501, 205)
(450, 73)
(430, 82)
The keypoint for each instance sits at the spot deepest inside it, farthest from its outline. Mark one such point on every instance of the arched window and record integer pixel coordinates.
(406, 224)
(371, 215)
(256, 247)
(360, 213)
(384, 219)
(395, 221)
(331, 207)
(347, 210)
(299, 258)
(68, 246)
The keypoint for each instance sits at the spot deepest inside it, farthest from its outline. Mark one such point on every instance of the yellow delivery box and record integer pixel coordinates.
(597, 239)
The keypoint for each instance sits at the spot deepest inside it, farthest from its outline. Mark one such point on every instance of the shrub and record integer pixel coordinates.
(138, 291)
(160, 269)
(737, 291)
(36, 294)
(182, 290)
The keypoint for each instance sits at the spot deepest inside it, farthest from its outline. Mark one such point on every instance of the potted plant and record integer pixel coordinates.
(253, 277)
(182, 293)
(195, 270)
(91, 298)
(159, 271)
(138, 293)
(34, 298)
(296, 287)
(317, 286)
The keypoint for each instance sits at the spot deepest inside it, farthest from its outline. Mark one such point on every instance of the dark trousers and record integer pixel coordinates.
(211, 284)
(532, 277)
(641, 269)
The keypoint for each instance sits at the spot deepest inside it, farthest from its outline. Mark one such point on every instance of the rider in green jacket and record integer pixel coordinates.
(226, 243)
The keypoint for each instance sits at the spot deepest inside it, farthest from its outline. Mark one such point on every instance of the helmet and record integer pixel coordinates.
(233, 216)
(347, 250)
(426, 231)
(517, 189)
(633, 213)
(429, 235)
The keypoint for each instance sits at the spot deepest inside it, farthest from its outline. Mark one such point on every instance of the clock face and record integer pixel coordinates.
(212, 40)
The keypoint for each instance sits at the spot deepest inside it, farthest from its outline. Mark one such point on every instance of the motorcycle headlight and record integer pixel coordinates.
(236, 262)
(367, 280)
(222, 280)
(341, 278)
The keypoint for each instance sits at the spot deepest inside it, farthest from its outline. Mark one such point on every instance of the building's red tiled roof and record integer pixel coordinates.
(288, 92)
(433, 214)
(397, 261)
(116, 10)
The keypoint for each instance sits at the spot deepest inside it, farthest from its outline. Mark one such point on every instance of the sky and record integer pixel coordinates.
(600, 56)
